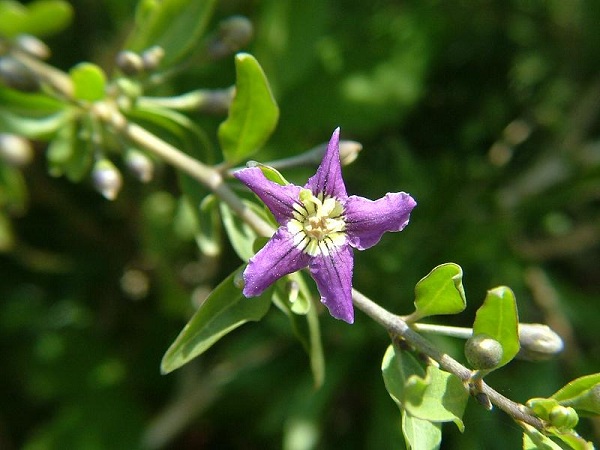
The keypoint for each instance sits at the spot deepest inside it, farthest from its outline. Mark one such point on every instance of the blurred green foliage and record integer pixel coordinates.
(486, 112)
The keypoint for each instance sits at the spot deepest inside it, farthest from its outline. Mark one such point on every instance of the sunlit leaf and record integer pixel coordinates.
(535, 440)
(572, 439)
(89, 82)
(224, 310)
(39, 18)
(175, 25)
(253, 114)
(438, 397)
(583, 394)
(440, 292)
(421, 434)
(498, 319)
(272, 174)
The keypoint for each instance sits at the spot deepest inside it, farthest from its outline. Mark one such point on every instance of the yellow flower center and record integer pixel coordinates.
(318, 225)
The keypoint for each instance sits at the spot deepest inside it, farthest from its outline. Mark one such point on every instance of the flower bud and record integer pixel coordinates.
(152, 57)
(538, 342)
(16, 76)
(563, 417)
(233, 34)
(140, 165)
(32, 46)
(238, 279)
(107, 179)
(129, 63)
(15, 150)
(483, 352)
(349, 151)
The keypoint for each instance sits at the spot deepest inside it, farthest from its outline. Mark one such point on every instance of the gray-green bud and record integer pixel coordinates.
(139, 164)
(234, 33)
(538, 342)
(107, 179)
(32, 46)
(483, 352)
(152, 57)
(15, 150)
(130, 63)
(17, 76)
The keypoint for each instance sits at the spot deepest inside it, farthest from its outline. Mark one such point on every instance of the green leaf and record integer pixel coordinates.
(224, 310)
(240, 234)
(272, 174)
(175, 25)
(438, 397)
(498, 318)
(572, 439)
(30, 127)
(421, 434)
(533, 439)
(440, 292)
(583, 394)
(70, 152)
(253, 114)
(39, 18)
(209, 238)
(397, 367)
(89, 82)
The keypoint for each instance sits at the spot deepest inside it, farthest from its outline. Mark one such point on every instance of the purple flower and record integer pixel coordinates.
(319, 226)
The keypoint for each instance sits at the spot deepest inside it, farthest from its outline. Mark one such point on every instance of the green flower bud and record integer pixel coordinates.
(32, 46)
(129, 63)
(483, 352)
(15, 150)
(107, 179)
(564, 418)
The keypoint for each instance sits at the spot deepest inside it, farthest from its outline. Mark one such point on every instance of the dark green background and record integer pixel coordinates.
(429, 88)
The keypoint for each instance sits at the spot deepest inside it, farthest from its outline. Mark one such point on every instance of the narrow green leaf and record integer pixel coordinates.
(89, 82)
(583, 394)
(534, 440)
(498, 318)
(31, 127)
(175, 25)
(209, 237)
(438, 397)
(240, 234)
(440, 292)
(253, 114)
(572, 439)
(39, 18)
(224, 310)
(421, 434)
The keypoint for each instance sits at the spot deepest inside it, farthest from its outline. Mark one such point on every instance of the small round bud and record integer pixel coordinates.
(563, 417)
(15, 150)
(129, 63)
(538, 342)
(483, 352)
(238, 280)
(16, 76)
(152, 57)
(107, 179)
(140, 165)
(233, 34)
(32, 46)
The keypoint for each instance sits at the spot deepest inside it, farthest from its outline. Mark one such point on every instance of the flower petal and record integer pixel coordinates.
(277, 258)
(328, 178)
(279, 199)
(367, 220)
(333, 275)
